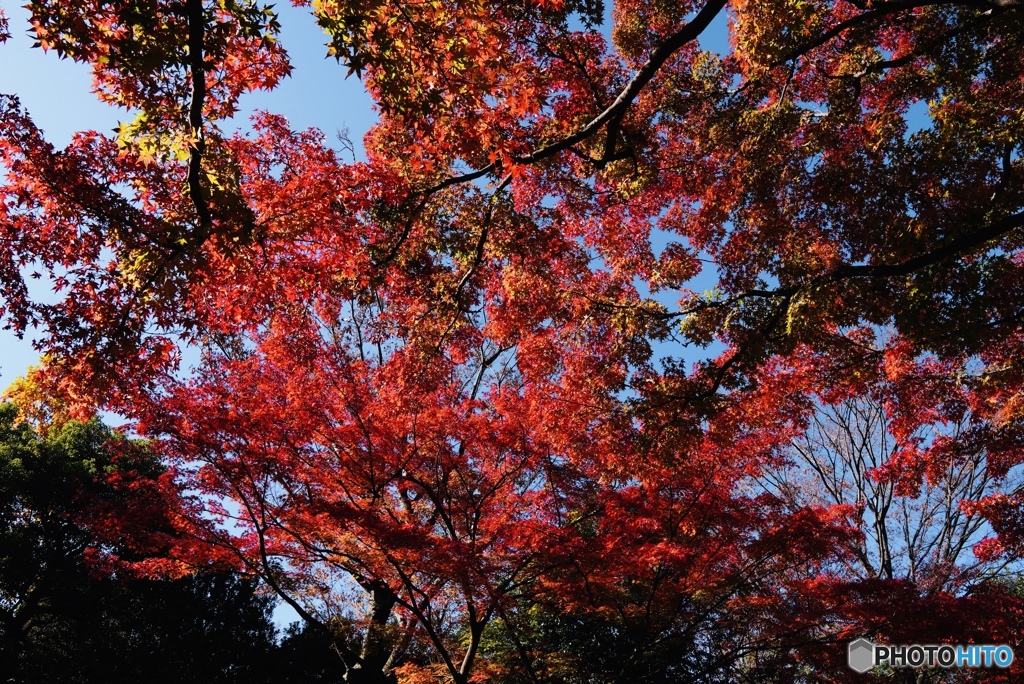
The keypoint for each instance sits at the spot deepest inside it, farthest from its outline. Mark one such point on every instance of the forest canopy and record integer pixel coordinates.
(617, 358)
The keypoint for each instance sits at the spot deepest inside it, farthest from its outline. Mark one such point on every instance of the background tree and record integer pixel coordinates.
(67, 619)
(206, 627)
(924, 535)
(910, 460)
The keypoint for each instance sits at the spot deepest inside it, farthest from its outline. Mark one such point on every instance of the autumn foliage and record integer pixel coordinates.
(532, 373)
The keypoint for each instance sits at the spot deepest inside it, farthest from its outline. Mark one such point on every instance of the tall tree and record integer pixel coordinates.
(911, 468)
(63, 616)
(431, 380)
(921, 533)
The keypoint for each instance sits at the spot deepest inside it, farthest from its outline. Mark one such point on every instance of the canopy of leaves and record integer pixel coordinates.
(591, 283)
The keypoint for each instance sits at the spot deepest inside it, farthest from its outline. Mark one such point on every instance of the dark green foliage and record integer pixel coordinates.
(62, 622)
(539, 644)
(205, 628)
(306, 656)
(42, 483)
(576, 649)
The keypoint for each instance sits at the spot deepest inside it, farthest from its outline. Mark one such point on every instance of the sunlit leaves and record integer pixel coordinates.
(579, 296)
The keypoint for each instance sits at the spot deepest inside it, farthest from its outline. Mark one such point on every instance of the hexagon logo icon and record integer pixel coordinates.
(861, 655)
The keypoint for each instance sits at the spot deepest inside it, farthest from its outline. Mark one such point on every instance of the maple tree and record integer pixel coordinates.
(463, 377)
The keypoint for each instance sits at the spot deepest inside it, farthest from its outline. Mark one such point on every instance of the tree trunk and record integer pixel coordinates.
(375, 650)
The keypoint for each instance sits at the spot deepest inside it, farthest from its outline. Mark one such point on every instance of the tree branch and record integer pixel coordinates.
(197, 69)
(612, 115)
